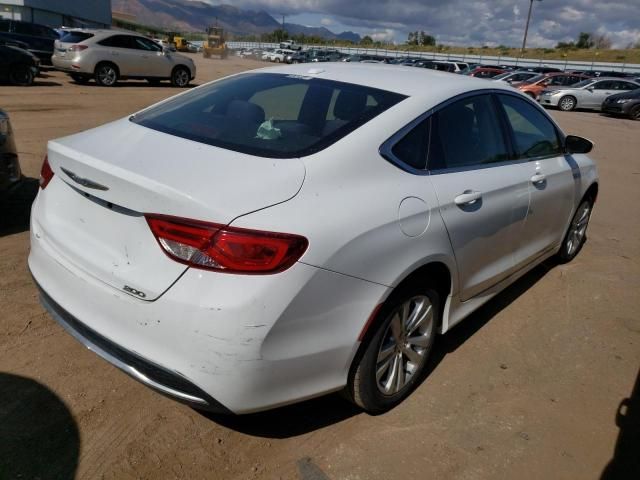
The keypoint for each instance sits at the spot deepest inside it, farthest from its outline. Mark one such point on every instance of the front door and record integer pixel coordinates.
(550, 178)
(483, 195)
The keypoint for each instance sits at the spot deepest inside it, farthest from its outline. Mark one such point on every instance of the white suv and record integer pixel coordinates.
(109, 56)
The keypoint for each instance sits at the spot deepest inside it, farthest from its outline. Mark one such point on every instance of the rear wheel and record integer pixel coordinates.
(180, 77)
(577, 233)
(21, 75)
(393, 360)
(567, 103)
(635, 113)
(106, 74)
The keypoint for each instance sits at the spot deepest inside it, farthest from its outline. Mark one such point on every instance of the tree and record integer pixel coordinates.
(565, 45)
(602, 42)
(584, 40)
(421, 38)
(366, 40)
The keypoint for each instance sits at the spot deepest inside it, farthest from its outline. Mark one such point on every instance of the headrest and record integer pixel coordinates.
(349, 104)
(245, 111)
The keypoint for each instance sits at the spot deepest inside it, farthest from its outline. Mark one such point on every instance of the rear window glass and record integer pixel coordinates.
(75, 37)
(269, 115)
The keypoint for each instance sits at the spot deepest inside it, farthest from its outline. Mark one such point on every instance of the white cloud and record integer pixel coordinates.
(387, 35)
(326, 22)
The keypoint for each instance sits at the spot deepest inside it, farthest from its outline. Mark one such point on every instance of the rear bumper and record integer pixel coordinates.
(160, 379)
(68, 64)
(239, 343)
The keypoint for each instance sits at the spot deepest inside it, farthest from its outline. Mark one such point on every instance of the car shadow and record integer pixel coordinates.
(626, 456)
(39, 437)
(15, 208)
(311, 415)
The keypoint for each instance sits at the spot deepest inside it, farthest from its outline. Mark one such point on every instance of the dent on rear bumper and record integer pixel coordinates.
(250, 342)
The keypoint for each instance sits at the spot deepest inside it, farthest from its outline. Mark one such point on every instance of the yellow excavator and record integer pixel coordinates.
(215, 43)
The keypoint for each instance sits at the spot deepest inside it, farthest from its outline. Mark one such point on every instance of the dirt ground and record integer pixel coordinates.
(528, 388)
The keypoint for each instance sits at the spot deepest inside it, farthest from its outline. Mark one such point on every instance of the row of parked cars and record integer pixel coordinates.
(105, 56)
(609, 91)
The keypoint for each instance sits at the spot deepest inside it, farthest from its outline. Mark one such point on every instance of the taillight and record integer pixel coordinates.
(46, 174)
(77, 48)
(211, 246)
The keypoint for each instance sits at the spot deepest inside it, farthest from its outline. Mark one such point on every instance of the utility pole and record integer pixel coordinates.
(282, 22)
(526, 28)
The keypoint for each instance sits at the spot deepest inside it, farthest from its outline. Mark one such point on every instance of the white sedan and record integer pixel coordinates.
(293, 231)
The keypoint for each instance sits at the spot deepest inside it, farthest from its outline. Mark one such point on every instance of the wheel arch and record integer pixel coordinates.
(107, 62)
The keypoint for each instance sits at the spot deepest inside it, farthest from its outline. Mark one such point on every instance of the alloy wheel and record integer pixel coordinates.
(578, 228)
(567, 103)
(107, 75)
(405, 344)
(181, 77)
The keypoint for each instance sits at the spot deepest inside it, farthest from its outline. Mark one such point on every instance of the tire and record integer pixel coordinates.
(381, 352)
(634, 113)
(21, 75)
(567, 103)
(576, 235)
(180, 77)
(81, 79)
(106, 74)
(277, 60)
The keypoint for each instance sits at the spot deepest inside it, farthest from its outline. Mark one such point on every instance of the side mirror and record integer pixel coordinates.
(575, 144)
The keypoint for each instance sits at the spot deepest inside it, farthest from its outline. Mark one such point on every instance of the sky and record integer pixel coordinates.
(463, 22)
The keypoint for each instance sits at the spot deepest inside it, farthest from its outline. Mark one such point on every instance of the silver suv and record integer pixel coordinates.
(109, 56)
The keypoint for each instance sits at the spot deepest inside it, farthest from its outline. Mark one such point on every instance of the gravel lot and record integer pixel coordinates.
(528, 387)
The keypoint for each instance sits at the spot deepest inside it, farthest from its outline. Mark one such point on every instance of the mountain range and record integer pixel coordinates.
(185, 15)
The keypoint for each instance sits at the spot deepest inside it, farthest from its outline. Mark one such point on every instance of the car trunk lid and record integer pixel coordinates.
(112, 176)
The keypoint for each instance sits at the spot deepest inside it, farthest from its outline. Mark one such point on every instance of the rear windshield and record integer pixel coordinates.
(269, 115)
(75, 37)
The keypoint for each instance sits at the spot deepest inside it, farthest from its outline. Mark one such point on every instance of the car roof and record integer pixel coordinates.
(405, 80)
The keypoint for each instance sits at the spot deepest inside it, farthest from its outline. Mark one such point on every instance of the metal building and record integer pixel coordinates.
(59, 13)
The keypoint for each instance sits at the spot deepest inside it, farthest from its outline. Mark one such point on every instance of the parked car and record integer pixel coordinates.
(109, 56)
(485, 72)
(37, 38)
(550, 81)
(279, 55)
(514, 77)
(172, 222)
(266, 53)
(365, 58)
(18, 66)
(300, 56)
(625, 104)
(290, 45)
(318, 55)
(587, 94)
(10, 172)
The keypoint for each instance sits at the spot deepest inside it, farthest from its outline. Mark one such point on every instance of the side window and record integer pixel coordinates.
(24, 28)
(4, 25)
(466, 133)
(118, 41)
(412, 149)
(534, 134)
(140, 43)
(626, 86)
(606, 85)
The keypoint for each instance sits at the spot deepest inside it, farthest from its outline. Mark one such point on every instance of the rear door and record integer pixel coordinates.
(483, 196)
(550, 178)
(121, 51)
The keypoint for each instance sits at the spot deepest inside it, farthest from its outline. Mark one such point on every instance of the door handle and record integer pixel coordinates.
(468, 197)
(538, 178)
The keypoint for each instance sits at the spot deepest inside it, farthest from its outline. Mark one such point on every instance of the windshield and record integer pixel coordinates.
(269, 115)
